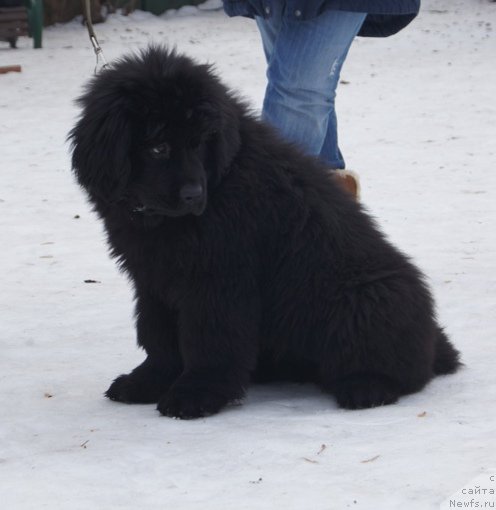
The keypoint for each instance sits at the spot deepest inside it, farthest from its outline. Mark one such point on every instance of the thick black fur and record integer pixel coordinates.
(248, 262)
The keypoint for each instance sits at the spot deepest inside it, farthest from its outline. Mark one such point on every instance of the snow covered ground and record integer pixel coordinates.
(417, 120)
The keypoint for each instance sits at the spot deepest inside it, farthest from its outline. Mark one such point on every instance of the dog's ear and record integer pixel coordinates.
(101, 145)
(226, 138)
(223, 119)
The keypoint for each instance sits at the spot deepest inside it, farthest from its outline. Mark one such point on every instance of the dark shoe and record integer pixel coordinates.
(349, 181)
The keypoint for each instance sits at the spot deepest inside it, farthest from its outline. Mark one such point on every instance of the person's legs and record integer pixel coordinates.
(304, 62)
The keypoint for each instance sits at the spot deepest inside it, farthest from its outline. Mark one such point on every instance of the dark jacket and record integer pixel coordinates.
(384, 17)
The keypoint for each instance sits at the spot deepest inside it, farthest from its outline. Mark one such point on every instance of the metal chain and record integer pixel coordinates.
(101, 61)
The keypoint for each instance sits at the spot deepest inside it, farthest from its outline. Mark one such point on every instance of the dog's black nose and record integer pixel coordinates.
(191, 193)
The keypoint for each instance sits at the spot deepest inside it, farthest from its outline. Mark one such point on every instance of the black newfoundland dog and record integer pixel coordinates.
(249, 263)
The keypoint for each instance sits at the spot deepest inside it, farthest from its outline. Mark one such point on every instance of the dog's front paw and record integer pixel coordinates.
(363, 391)
(132, 390)
(144, 385)
(188, 401)
(188, 404)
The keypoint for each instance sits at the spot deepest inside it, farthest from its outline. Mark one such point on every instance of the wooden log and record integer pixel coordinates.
(10, 69)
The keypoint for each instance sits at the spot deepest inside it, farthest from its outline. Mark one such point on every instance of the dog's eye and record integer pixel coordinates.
(161, 151)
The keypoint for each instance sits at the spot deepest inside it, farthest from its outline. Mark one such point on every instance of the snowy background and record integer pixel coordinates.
(417, 121)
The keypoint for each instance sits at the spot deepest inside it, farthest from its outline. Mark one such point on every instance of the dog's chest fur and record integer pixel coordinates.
(165, 259)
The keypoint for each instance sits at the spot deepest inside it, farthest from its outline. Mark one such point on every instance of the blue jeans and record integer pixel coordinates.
(304, 61)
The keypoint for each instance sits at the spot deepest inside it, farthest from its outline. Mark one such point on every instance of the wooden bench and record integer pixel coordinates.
(13, 24)
(22, 20)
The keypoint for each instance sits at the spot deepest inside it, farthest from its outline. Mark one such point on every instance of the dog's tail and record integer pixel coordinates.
(447, 358)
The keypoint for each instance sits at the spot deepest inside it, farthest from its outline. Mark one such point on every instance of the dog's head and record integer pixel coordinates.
(157, 131)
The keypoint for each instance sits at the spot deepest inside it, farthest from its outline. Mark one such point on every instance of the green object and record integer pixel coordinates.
(160, 6)
(35, 20)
